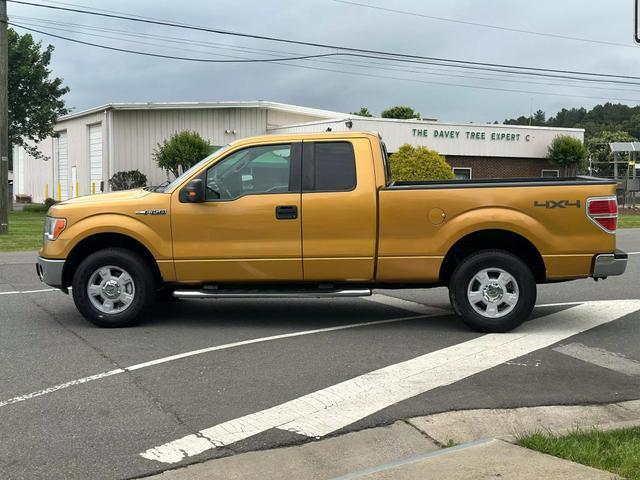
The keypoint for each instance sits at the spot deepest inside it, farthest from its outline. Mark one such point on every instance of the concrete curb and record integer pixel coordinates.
(485, 458)
(410, 449)
(467, 425)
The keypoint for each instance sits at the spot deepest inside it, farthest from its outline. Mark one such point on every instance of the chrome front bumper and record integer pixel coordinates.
(50, 272)
(609, 264)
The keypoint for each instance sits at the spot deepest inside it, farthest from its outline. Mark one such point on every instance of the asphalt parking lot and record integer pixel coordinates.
(206, 378)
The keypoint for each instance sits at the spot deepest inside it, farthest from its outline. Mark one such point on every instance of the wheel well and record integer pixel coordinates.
(493, 240)
(100, 241)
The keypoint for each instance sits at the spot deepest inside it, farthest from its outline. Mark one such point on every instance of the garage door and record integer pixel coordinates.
(95, 157)
(63, 166)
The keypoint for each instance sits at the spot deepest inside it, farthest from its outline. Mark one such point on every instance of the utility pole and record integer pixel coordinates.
(4, 121)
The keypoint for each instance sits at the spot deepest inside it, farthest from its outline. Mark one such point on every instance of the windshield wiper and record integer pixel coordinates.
(157, 188)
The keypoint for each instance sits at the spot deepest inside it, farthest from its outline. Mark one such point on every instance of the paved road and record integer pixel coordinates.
(82, 402)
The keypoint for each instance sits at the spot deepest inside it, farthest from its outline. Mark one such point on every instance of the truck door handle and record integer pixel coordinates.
(287, 212)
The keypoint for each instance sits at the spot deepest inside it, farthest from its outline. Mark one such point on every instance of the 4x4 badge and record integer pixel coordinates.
(557, 204)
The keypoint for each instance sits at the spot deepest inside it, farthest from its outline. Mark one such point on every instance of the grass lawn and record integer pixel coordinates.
(25, 232)
(629, 221)
(616, 451)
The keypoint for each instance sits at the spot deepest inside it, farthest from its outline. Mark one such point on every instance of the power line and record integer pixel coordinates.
(348, 54)
(174, 57)
(319, 45)
(428, 82)
(484, 25)
(218, 46)
(386, 59)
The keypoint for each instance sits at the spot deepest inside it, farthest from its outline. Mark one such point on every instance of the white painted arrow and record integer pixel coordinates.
(335, 407)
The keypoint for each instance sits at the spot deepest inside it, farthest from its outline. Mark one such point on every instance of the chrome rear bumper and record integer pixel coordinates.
(50, 272)
(609, 264)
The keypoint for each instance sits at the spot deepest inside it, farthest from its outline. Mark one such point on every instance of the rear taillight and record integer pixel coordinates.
(603, 211)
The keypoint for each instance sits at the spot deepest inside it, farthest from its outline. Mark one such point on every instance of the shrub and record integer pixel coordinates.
(181, 151)
(567, 152)
(419, 163)
(128, 180)
(35, 208)
(48, 202)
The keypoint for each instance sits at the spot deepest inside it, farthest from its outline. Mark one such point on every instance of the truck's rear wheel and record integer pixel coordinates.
(112, 287)
(492, 291)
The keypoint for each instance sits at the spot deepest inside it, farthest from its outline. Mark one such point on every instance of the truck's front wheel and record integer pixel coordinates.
(492, 291)
(112, 287)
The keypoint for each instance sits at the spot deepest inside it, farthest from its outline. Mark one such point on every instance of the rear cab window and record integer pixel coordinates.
(328, 167)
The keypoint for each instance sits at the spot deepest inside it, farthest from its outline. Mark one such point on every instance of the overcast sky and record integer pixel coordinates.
(97, 76)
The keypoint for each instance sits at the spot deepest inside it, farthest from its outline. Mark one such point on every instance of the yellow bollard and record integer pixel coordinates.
(93, 188)
(59, 191)
(46, 190)
(77, 189)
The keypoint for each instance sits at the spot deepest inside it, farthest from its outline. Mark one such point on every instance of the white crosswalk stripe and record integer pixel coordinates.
(335, 407)
(602, 358)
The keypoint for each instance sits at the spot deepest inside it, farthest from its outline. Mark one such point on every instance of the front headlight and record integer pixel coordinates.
(53, 227)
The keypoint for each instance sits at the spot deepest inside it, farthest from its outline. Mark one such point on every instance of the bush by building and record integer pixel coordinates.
(419, 163)
(181, 151)
(128, 180)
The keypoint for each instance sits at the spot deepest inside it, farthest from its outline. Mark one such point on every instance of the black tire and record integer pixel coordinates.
(165, 294)
(141, 278)
(464, 274)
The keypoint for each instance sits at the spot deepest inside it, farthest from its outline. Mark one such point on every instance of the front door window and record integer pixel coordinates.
(251, 171)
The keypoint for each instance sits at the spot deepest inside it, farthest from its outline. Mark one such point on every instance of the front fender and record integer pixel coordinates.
(153, 233)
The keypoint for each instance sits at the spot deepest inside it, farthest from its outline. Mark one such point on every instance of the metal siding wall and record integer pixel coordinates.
(136, 133)
(19, 178)
(280, 117)
(78, 151)
(36, 173)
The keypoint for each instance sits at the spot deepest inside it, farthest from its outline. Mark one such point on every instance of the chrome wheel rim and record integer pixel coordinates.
(493, 292)
(111, 289)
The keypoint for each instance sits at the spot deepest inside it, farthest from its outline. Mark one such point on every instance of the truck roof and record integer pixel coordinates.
(303, 136)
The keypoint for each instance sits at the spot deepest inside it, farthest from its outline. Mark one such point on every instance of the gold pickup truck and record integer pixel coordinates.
(318, 215)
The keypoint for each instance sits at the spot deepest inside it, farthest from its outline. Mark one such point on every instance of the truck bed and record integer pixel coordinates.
(501, 182)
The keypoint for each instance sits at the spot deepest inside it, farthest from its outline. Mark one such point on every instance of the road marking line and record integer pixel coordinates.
(602, 358)
(16, 292)
(404, 304)
(171, 358)
(561, 304)
(337, 406)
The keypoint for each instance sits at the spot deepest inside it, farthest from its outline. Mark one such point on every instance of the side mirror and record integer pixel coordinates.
(193, 192)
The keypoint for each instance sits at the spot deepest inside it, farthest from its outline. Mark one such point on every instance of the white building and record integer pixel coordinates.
(94, 144)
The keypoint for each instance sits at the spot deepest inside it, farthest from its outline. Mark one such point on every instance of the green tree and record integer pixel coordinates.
(411, 163)
(600, 152)
(35, 97)
(181, 151)
(363, 112)
(567, 152)
(400, 111)
(539, 118)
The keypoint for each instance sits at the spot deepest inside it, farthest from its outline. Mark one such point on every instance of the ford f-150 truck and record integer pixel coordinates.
(320, 215)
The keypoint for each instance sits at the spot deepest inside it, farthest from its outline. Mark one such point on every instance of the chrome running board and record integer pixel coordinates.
(228, 293)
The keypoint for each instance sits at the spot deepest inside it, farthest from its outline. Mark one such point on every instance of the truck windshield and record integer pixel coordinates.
(188, 172)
